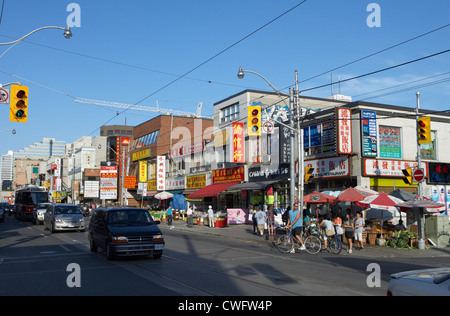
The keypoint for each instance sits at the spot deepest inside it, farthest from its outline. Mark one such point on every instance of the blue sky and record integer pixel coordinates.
(124, 51)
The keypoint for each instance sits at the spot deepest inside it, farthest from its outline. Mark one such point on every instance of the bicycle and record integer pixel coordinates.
(286, 243)
(314, 244)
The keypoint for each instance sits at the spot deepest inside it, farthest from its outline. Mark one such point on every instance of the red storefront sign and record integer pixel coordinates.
(238, 143)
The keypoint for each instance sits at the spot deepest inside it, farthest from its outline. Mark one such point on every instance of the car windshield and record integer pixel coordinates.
(130, 217)
(69, 210)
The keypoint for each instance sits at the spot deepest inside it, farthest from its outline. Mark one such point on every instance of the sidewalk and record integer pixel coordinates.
(245, 233)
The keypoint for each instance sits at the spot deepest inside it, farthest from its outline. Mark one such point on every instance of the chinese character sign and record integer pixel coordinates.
(160, 173)
(238, 143)
(344, 130)
(143, 171)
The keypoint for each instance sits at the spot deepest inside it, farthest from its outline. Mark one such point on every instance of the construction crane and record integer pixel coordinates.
(145, 108)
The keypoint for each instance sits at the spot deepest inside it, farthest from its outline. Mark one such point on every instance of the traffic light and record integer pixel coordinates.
(424, 130)
(18, 104)
(408, 179)
(308, 174)
(254, 121)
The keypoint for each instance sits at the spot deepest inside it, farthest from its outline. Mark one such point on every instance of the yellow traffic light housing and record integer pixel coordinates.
(18, 104)
(254, 121)
(308, 174)
(408, 179)
(424, 130)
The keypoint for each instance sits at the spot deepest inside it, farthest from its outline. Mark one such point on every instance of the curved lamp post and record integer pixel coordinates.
(67, 33)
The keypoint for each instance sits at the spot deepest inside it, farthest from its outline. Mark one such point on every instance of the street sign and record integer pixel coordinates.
(268, 127)
(418, 175)
(4, 96)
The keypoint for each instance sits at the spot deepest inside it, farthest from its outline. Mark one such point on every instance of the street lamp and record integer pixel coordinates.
(67, 33)
(292, 95)
(13, 131)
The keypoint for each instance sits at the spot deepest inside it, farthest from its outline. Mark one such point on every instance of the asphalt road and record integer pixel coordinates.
(36, 262)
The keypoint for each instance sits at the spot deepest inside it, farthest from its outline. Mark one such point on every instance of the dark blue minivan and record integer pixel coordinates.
(125, 232)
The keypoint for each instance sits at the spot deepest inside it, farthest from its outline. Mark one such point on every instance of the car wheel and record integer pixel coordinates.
(157, 255)
(92, 245)
(109, 252)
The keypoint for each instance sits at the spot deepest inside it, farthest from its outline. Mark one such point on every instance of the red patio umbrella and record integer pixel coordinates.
(352, 195)
(380, 201)
(318, 198)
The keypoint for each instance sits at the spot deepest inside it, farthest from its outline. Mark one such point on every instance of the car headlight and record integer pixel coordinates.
(81, 220)
(58, 220)
(119, 240)
(158, 238)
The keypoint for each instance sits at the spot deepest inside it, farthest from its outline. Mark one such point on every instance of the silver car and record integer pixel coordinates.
(63, 217)
(427, 282)
(39, 212)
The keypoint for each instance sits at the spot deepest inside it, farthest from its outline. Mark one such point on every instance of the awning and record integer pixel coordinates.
(211, 190)
(261, 185)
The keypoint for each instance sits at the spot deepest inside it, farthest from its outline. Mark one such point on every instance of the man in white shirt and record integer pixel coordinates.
(189, 214)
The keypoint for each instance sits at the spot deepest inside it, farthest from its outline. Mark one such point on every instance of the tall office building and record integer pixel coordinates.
(6, 171)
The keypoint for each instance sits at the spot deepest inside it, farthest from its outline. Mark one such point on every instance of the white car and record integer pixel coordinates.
(427, 282)
(39, 212)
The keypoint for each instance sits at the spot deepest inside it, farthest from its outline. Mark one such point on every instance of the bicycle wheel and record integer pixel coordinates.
(285, 243)
(333, 245)
(313, 244)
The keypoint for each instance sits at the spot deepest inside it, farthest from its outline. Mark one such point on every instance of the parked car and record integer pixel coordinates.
(39, 212)
(427, 282)
(125, 232)
(63, 217)
(2, 215)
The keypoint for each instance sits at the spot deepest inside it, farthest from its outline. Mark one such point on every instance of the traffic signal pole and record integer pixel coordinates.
(421, 216)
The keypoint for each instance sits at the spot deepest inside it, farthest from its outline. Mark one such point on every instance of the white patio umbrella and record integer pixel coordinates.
(164, 195)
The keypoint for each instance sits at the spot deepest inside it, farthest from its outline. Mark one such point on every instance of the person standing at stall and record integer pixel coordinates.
(211, 217)
(190, 215)
(359, 229)
(348, 226)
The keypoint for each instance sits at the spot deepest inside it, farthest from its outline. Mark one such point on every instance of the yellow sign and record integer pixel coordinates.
(141, 154)
(143, 171)
(196, 182)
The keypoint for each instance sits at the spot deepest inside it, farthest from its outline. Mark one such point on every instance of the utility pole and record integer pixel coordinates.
(301, 159)
(421, 244)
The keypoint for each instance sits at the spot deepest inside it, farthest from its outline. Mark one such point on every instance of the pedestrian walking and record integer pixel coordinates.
(348, 226)
(190, 215)
(270, 220)
(260, 220)
(169, 216)
(211, 217)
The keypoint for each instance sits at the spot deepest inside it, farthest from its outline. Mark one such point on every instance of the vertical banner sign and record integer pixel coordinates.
(344, 128)
(369, 133)
(143, 171)
(160, 173)
(238, 143)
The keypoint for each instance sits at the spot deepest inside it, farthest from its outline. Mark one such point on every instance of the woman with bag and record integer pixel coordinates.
(348, 226)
